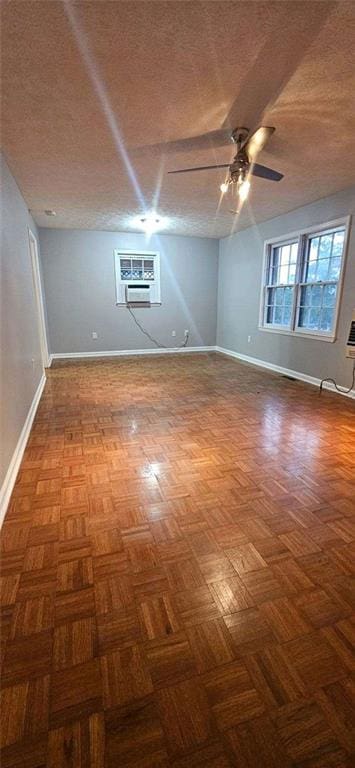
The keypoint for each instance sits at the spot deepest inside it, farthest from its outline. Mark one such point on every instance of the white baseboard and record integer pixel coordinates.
(11, 474)
(285, 371)
(130, 352)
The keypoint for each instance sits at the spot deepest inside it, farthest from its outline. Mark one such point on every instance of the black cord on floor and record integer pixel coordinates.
(339, 389)
(146, 333)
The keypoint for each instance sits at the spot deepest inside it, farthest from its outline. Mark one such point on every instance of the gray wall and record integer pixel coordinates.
(240, 271)
(78, 271)
(20, 363)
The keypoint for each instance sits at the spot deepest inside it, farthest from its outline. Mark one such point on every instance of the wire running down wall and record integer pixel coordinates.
(80, 289)
(239, 285)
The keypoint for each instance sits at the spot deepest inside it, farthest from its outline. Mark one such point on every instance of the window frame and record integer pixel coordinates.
(303, 236)
(267, 285)
(120, 283)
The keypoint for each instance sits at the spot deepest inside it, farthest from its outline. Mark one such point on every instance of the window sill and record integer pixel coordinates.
(298, 334)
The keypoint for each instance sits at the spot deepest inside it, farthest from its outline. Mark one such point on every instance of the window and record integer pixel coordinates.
(280, 288)
(137, 268)
(320, 278)
(302, 282)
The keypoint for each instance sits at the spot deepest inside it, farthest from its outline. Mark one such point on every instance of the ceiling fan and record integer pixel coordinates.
(243, 163)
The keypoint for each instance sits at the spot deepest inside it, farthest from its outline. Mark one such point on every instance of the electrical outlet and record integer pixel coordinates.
(173, 333)
(94, 335)
(187, 332)
(249, 339)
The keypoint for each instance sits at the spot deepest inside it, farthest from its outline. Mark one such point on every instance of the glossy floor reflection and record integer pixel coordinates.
(176, 571)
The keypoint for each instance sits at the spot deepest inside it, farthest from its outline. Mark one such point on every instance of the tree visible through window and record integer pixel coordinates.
(281, 281)
(320, 281)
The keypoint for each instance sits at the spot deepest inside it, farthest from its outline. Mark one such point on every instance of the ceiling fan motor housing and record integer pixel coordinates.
(243, 163)
(240, 167)
(239, 136)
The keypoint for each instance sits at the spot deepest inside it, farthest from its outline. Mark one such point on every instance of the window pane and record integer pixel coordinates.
(338, 243)
(321, 248)
(327, 319)
(274, 263)
(325, 246)
(329, 295)
(314, 318)
(316, 295)
(269, 315)
(288, 297)
(287, 315)
(283, 279)
(322, 269)
(311, 271)
(317, 307)
(304, 317)
(148, 269)
(292, 273)
(279, 292)
(282, 268)
(306, 295)
(270, 305)
(126, 269)
(279, 306)
(137, 269)
(275, 267)
(334, 271)
(271, 296)
(285, 254)
(275, 256)
(278, 316)
(313, 249)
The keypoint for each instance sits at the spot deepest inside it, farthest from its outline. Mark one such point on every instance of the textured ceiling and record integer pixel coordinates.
(94, 95)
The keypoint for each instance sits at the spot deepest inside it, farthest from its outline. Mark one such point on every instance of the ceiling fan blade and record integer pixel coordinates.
(210, 140)
(266, 173)
(200, 168)
(257, 141)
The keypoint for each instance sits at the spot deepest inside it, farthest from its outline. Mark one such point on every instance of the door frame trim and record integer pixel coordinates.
(37, 284)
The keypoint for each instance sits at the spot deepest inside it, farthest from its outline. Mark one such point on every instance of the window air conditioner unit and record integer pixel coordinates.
(350, 347)
(138, 294)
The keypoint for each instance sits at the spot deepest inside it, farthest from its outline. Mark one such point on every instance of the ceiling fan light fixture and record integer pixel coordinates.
(243, 189)
(149, 223)
(243, 164)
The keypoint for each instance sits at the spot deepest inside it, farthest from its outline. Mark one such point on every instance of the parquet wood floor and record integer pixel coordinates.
(176, 571)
